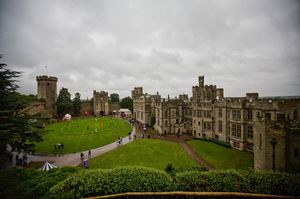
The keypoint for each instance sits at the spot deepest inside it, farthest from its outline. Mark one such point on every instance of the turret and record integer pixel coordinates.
(47, 91)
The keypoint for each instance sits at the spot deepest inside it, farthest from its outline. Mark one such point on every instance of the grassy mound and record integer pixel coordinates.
(147, 153)
(82, 134)
(222, 157)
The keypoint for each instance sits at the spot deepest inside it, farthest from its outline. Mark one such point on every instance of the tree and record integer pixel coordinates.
(64, 102)
(152, 119)
(114, 97)
(77, 104)
(127, 102)
(15, 130)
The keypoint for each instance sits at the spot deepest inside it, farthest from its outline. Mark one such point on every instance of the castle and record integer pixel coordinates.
(47, 96)
(268, 127)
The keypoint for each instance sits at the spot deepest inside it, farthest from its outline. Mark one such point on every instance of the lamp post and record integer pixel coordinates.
(273, 142)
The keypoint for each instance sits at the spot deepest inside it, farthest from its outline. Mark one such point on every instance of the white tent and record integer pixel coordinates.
(67, 117)
(47, 166)
(125, 111)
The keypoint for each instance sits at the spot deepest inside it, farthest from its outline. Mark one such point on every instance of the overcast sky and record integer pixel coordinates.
(241, 46)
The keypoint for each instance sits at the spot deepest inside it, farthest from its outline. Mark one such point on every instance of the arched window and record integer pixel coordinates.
(166, 113)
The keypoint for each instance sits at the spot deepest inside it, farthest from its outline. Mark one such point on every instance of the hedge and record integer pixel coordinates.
(213, 140)
(264, 182)
(30, 183)
(103, 182)
(72, 182)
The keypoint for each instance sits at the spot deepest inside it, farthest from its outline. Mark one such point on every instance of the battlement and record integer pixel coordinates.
(46, 78)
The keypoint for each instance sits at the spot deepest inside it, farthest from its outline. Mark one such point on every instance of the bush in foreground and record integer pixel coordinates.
(264, 182)
(30, 183)
(70, 182)
(103, 182)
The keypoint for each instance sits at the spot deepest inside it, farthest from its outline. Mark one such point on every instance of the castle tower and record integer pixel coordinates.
(137, 92)
(47, 91)
(100, 100)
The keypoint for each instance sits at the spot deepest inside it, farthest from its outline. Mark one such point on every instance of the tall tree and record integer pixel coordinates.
(127, 102)
(64, 102)
(77, 104)
(15, 130)
(114, 97)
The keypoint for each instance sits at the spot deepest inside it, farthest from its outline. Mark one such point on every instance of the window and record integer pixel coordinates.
(236, 144)
(268, 116)
(236, 114)
(220, 126)
(250, 132)
(199, 123)
(166, 113)
(250, 147)
(220, 112)
(249, 114)
(236, 130)
(166, 123)
(199, 113)
(208, 113)
(207, 126)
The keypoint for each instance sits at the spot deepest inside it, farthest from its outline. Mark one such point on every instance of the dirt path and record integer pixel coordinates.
(195, 156)
(182, 141)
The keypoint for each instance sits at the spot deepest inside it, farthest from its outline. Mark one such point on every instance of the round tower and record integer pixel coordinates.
(47, 91)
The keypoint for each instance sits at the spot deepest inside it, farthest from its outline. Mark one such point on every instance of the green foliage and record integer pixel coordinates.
(263, 182)
(73, 182)
(225, 144)
(64, 102)
(76, 104)
(29, 183)
(152, 119)
(170, 169)
(21, 101)
(103, 182)
(14, 129)
(127, 102)
(221, 157)
(114, 97)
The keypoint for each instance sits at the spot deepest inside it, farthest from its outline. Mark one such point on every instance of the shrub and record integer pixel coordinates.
(102, 182)
(263, 182)
(31, 183)
(219, 142)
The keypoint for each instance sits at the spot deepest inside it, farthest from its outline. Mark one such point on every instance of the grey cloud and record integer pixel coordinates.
(161, 45)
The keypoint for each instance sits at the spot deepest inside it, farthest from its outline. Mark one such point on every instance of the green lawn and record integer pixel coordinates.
(147, 153)
(221, 157)
(82, 134)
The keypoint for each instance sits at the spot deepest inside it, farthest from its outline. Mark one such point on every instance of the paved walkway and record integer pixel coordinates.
(73, 159)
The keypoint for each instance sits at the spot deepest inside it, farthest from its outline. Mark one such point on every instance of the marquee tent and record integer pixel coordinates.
(47, 166)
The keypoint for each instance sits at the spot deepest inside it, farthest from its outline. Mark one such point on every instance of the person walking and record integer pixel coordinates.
(90, 154)
(85, 164)
(82, 157)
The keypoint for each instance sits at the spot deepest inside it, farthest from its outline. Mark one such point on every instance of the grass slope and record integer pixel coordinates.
(221, 157)
(144, 152)
(82, 134)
